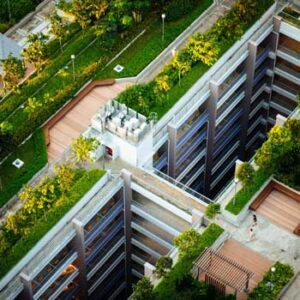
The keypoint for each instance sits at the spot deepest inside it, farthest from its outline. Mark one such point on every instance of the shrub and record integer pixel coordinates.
(143, 290)
(212, 210)
(278, 279)
(163, 265)
(246, 174)
(178, 8)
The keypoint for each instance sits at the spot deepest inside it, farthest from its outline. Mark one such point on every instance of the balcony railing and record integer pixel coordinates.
(192, 130)
(290, 17)
(161, 162)
(111, 215)
(288, 71)
(289, 52)
(260, 58)
(107, 238)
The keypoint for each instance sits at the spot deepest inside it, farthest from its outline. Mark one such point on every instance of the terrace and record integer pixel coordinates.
(291, 15)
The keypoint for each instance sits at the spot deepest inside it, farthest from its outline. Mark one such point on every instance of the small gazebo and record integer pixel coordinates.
(221, 272)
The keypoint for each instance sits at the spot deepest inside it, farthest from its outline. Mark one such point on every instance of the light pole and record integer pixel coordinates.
(236, 181)
(9, 10)
(163, 16)
(73, 65)
(174, 52)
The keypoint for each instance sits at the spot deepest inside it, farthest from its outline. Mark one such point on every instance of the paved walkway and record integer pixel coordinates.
(294, 291)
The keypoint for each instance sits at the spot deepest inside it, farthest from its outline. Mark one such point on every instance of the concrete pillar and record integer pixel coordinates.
(212, 114)
(127, 192)
(172, 151)
(150, 271)
(277, 23)
(27, 282)
(280, 120)
(78, 244)
(197, 217)
(250, 70)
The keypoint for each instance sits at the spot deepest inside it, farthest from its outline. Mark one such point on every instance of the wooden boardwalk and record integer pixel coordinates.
(78, 119)
(281, 209)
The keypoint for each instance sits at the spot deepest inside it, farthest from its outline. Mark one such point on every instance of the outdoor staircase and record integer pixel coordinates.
(281, 209)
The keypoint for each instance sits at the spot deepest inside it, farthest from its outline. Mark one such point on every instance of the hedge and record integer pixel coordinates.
(34, 155)
(48, 220)
(278, 279)
(166, 289)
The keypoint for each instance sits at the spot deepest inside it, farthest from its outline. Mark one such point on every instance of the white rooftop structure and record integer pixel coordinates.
(8, 46)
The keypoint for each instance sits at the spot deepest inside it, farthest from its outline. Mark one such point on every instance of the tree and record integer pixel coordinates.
(65, 176)
(212, 210)
(182, 66)
(36, 51)
(246, 174)
(139, 7)
(87, 11)
(143, 290)
(163, 265)
(187, 242)
(162, 86)
(6, 138)
(203, 48)
(13, 72)
(58, 29)
(83, 146)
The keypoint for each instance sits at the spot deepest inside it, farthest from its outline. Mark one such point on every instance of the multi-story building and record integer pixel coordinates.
(99, 249)
(227, 113)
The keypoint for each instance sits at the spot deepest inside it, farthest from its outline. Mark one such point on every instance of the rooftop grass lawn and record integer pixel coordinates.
(34, 155)
(246, 193)
(79, 188)
(150, 44)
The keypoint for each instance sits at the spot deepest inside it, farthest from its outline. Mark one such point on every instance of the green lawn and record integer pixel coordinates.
(246, 193)
(34, 155)
(150, 44)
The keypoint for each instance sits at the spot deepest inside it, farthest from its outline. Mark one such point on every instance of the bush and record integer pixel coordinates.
(143, 290)
(212, 210)
(246, 174)
(163, 265)
(278, 279)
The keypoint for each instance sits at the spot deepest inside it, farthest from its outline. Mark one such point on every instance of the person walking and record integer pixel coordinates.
(251, 234)
(254, 223)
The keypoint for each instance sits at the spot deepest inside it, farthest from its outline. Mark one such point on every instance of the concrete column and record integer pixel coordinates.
(171, 150)
(127, 193)
(212, 114)
(78, 244)
(27, 282)
(150, 271)
(277, 23)
(250, 70)
(280, 120)
(197, 217)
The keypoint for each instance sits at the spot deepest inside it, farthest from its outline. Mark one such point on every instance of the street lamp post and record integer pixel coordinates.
(9, 10)
(163, 16)
(236, 181)
(73, 65)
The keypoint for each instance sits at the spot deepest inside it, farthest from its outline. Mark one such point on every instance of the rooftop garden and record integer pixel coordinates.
(189, 64)
(273, 282)
(34, 155)
(43, 206)
(13, 11)
(279, 156)
(100, 39)
(178, 282)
